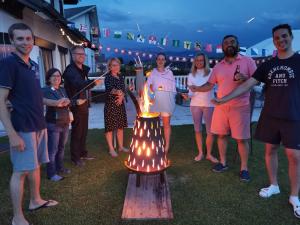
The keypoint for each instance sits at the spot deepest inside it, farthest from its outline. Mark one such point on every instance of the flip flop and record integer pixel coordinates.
(47, 204)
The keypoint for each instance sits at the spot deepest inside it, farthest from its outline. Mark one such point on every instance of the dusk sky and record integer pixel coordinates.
(194, 20)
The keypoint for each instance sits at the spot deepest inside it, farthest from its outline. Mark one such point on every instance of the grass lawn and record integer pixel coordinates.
(95, 194)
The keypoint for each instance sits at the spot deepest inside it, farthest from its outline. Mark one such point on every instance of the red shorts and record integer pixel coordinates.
(234, 120)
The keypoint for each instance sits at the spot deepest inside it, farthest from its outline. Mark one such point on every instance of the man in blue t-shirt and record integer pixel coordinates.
(279, 121)
(25, 124)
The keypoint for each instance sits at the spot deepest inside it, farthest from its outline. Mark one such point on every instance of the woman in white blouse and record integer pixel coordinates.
(161, 82)
(201, 106)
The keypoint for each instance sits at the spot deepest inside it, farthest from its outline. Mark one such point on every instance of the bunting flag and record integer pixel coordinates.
(94, 31)
(106, 32)
(264, 52)
(83, 28)
(208, 48)
(164, 41)
(219, 49)
(274, 54)
(130, 36)
(176, 43)
(187, 44)
(140, 38)
(117, 34)
(197, 46)
(152, 40)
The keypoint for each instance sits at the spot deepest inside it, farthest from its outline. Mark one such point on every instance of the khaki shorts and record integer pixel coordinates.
(234, 120)
(34, 154)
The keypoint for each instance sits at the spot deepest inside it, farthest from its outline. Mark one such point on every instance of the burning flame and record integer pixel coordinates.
(145, 105)
(146, 99)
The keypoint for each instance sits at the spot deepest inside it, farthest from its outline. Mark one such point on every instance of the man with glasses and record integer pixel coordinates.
(77, 85)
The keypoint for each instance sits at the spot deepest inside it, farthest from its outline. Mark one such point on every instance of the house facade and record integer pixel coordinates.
(53, 37)
(85, 19)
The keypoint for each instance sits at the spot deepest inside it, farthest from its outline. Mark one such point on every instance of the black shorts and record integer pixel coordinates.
(275, 131)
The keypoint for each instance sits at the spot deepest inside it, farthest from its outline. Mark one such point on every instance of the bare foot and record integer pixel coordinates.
(123, 149)
(212, 159)
(19, 221)
(198, 157)
(113, 153)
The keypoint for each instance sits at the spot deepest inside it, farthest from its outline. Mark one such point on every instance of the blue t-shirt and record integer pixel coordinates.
(25, 93)
(282, 92)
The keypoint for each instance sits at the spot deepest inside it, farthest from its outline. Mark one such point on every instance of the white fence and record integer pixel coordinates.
(180, 80)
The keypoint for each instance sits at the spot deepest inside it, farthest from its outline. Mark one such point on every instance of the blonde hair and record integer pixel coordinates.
(206, 65)
(110, 61)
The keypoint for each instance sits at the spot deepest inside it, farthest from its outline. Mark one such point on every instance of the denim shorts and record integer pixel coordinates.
(34, 154)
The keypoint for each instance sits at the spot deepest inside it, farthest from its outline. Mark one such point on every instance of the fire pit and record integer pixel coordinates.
(147, 193)
(147, 154)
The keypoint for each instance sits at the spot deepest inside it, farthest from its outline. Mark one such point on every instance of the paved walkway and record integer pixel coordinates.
(182, 115)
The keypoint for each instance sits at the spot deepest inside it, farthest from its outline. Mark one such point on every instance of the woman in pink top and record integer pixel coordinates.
(201, 106)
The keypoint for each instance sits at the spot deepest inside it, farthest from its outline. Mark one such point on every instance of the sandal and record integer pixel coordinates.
(296, 208)
(269, 191)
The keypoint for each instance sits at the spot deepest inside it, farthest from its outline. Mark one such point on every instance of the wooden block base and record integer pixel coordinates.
(150, 200)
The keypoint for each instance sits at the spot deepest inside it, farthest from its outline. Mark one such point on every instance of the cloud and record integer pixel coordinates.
(109, 15)
(280, 16)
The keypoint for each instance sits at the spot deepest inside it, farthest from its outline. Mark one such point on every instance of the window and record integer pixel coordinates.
(63, 61)
(63, 57)
(47, 60)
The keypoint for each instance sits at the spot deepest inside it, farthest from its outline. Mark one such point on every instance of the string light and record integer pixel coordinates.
(70, 39)
(171, 58)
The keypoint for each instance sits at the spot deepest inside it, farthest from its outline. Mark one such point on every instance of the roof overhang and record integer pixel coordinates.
(47, 11)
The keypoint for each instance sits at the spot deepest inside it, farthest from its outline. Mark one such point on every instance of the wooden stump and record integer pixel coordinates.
(151, 200)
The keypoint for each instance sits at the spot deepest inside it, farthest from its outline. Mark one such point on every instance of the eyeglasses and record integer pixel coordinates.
(81, 54)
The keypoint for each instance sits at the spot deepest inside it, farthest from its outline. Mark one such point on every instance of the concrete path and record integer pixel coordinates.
(182, 115)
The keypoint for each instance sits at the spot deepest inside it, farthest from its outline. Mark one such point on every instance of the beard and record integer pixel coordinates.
(231, 51)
